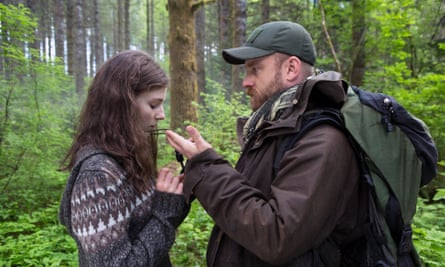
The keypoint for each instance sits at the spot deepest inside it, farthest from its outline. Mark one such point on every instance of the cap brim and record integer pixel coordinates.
(238, 55)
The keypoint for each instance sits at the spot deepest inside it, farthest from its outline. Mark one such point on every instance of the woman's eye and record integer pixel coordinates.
(155, 105)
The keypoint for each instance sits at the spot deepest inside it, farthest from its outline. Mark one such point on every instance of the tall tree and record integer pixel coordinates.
(150, 26)
(98, 40)
(70, 37)
(358, 42)
(239, 15)
(225, 40)
(127, 24)
(265, 10)
(119, 34)
(80, 53)
(200, 47)
(182, 44)
(59, 15)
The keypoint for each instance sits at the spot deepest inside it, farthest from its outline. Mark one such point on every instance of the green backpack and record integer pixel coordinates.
(396, 155)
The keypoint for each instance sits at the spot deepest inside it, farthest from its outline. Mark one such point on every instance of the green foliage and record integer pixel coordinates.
(429, 233)
(35, 239)
(191, 240)
(217, 120)
(37, 104)
(17, 22)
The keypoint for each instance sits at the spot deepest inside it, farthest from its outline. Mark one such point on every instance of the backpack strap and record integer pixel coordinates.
(310, 120)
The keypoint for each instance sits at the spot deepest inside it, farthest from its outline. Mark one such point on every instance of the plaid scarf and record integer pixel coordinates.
(271, 110)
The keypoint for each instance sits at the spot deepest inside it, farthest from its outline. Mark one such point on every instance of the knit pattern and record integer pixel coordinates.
(112, 224)
(101, 207)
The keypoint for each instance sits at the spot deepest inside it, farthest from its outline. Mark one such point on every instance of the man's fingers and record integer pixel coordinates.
(172, 138)
(194, 134)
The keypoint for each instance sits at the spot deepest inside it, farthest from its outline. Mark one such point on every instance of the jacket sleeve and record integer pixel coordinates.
(102, 221)
(307, 199)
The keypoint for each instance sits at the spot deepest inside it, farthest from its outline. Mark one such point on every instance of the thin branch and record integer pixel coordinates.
(328, 37)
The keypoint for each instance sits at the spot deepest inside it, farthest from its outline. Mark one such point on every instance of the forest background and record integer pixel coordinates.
(50, 49)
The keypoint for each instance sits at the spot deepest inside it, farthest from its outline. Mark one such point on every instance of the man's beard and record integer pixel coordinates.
(275, 85)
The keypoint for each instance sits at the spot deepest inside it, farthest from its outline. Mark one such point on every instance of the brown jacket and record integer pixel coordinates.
(301, 216)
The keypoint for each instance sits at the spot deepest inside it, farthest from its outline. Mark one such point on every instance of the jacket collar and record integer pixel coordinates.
(324, 90)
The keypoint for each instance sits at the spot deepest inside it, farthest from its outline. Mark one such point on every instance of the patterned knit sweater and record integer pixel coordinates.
(111, 223)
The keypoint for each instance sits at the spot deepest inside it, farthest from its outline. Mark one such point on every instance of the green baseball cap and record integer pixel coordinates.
(276, 36)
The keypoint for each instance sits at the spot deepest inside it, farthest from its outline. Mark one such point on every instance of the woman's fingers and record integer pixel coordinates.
(167, 182)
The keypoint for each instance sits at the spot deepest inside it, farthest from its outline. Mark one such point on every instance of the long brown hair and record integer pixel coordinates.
(110, 120)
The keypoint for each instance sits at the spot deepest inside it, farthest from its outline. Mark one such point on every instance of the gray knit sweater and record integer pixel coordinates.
(111, 223)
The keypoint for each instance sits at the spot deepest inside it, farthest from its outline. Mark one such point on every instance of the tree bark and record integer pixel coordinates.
(59, 15)
(80, 55)
(200, 46)
(119, 26)
(225, 41)
(150, 26)
(239, 37)
(70, 37)
(265, 11)
(126, 24)
(98, 40)
(181, 40)
(358, 42)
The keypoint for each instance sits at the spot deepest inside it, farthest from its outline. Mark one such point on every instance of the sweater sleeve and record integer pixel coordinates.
(114, 226)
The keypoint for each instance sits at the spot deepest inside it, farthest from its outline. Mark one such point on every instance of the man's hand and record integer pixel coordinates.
(189, 148)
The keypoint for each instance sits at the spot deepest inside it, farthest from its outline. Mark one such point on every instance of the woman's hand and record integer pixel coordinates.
(167, 182)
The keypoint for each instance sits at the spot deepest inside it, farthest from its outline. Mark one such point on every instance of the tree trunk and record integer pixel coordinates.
(181, 40)
(59, 29)
(200, 46)
(126, 24)
(70, 37)
(120, 22)
(265, 10)
(149, 22)
(98, 40)
(225, 41)
(239, 37)
(80, 57)
(358, 42)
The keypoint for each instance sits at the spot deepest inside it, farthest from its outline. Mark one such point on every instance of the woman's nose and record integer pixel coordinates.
(160, 115)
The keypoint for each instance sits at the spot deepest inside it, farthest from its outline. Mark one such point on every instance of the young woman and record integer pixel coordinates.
(119, 209)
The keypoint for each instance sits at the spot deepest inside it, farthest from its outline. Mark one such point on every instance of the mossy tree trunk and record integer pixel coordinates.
(181, 41)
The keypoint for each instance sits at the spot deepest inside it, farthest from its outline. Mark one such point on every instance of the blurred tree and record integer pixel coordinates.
(225, 40)
(239, 20)
(200, 49)
(79, 63)
(59, 29)
(358, 59)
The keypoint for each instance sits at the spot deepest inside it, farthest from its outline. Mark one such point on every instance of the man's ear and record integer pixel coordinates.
(293, 68)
